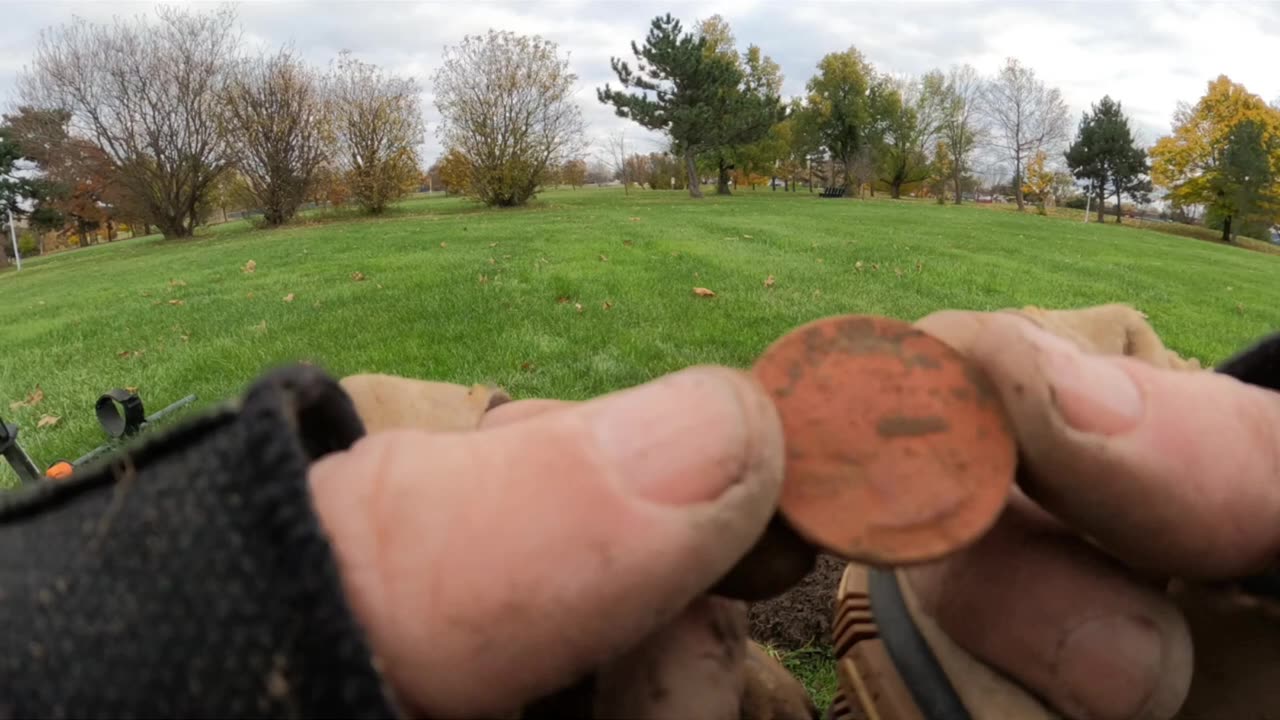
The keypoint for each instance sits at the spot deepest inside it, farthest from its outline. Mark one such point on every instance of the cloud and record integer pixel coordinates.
(1149, 56)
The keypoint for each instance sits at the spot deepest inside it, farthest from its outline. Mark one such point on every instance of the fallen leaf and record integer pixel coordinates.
(379, 286)
(527, 366)
(1240, 308)
(483, 279)
(32, 400)
(146, 293)
(634, 219)
(919, 266)
(697, 275)
(316, 305)
(48, 421)
(858, 266)
(176, 301)
(675, 254)
(813, 245)
(897, 272)
(288, 298)
(133, 390)
(185, 338)
(444, 245)
(261, 327)
(562, 299)
(578, 307)
(248, 295)
(16, 405)
(177, 283)
(817, 293)
(768, 282)
(628, 243)
(493, 245)
(747, 237)
(604, 259)
(357, 276)
(492, 261)
(875, 266)
(130, 353)
(249, 267)
(607, 305)
(820, 260)
(703, 292)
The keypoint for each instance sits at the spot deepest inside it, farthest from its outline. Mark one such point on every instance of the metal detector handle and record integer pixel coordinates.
(18, 458)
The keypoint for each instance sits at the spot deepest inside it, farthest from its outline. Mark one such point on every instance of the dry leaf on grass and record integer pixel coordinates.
(177, 283)
(176, 301)
(817, 293)
(697, 275)
(821, 260)
(527, 366)
(768, 282)
(357, 276)
(146, 293)
(747, 237)
(628, 243)
(607, 305)
(919, 266)
(130, 353)
(604, 259)
(261, 327)
(379, 286)
(48, 421)
(578, 307)
(184, 338)
(131, 389)
(634, 219)
(492, 261)
(703, 292)
(248, 296)
(875, 266)
(858, 266)
(289, 297)
(897, 272)
(562, 299)
(1240, 308)
(32, 400)
(493, 245)
(249, 267)
(444, 245)
(483, 279)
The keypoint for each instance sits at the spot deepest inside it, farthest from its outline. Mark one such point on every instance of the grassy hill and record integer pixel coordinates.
(585, 292)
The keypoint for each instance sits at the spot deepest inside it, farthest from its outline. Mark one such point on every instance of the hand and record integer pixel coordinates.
(1130, 474)
(492, 567)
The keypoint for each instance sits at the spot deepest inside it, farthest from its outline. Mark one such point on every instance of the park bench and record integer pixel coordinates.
(833, 192)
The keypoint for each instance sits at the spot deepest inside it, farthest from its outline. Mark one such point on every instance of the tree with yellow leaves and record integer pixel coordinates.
(1037, 181)
(1224, 153)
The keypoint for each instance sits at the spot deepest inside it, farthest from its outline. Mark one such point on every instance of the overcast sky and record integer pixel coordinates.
(1148, 55)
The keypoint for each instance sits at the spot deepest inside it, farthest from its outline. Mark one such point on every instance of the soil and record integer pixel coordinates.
(800, 617)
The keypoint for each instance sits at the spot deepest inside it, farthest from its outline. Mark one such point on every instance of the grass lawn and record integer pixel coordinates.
(585, 292)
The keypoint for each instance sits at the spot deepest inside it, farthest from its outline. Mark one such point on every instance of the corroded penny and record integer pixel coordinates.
(898, 449)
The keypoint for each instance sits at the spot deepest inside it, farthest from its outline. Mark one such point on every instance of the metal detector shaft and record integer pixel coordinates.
(153, 417)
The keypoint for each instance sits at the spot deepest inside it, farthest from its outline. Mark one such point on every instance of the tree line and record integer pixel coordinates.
(156, 124)
(152, 124)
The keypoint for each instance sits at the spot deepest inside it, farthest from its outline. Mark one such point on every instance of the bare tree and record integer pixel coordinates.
(148, 96)
(1025, 116)
(278, 126)
(377, 124)
(616, 154)
(961, 125)
(507, 105)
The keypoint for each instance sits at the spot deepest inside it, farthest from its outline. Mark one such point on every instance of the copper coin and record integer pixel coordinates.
(898, 449)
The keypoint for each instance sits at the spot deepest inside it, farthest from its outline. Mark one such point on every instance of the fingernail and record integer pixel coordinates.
(678, 440)
(1092, 393)
(1114, 662)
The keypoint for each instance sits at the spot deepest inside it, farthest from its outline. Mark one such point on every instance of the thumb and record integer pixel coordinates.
(495, 566)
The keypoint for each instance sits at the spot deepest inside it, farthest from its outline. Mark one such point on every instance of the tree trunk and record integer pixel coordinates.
(848, 177)
(695, 191)
(895, 190)
(722, 178)
(956, 177)
(1017, 182)
(1102, 205)
(1226, 229)
(1118, 206)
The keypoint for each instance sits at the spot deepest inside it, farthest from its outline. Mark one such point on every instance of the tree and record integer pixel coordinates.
(377, 124)
(678, 85)
(278, 125)
(1105, 154)
(1038, 181)
(455, 172)
(913, 116)
(961, 123)
(1026, 117)
(748, 109)
(574, 173)
(839, 109)
(1208, 161)
(149, 97)
(507, 104)
(616, 153)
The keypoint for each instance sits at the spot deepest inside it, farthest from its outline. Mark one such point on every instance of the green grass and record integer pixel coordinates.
(498, 302)
(815, 668)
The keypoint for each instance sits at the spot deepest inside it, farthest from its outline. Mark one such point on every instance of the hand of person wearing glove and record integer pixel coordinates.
(480, 572)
